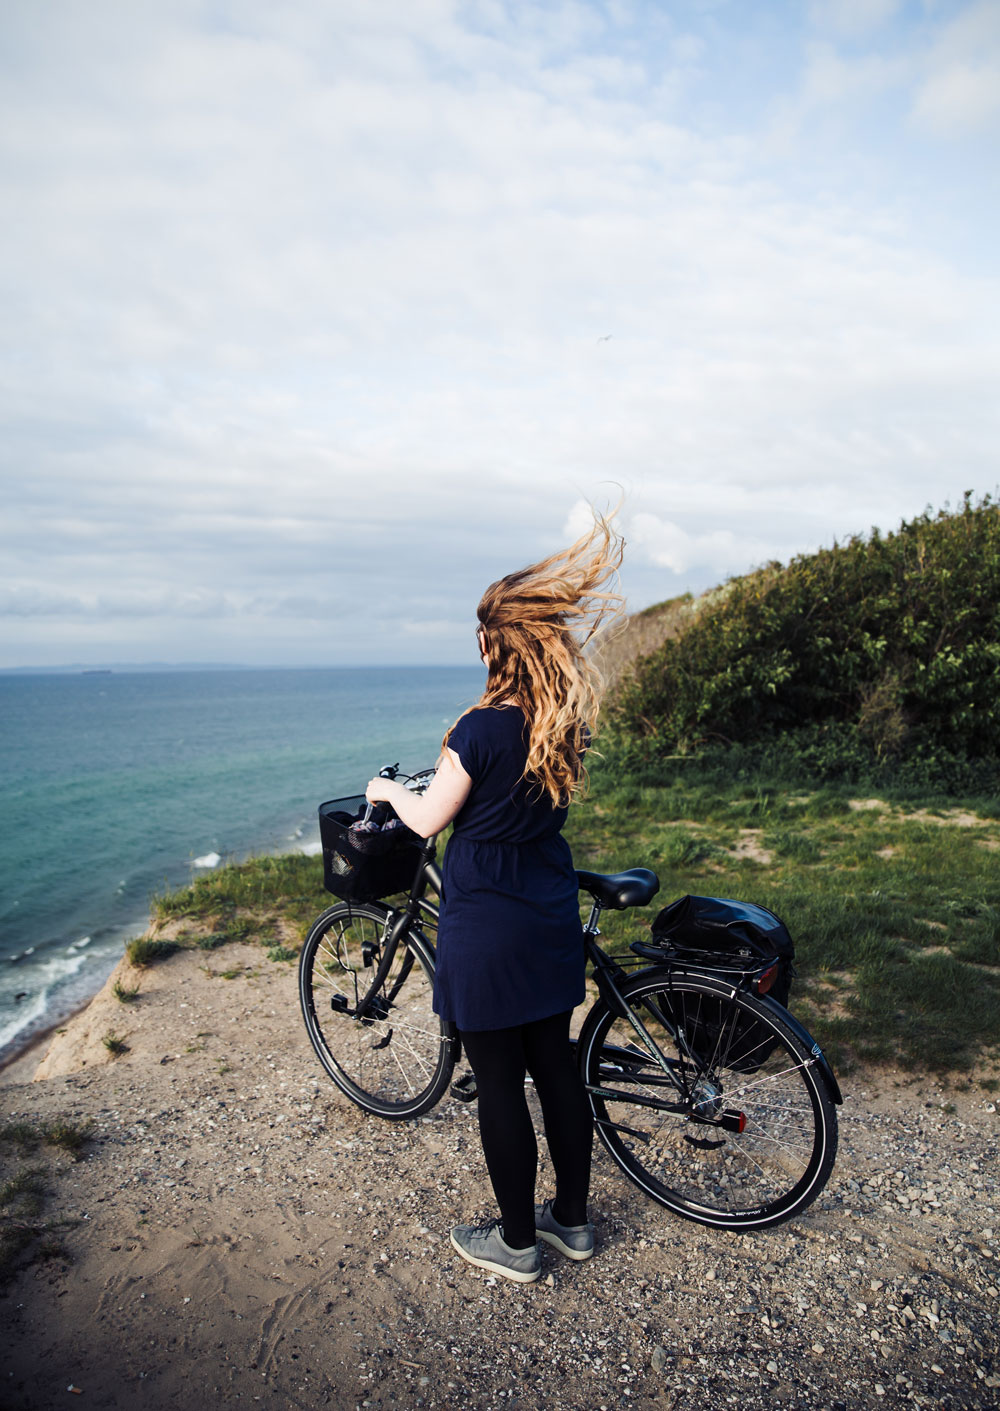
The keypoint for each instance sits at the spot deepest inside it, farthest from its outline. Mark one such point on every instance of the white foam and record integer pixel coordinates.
(24, 1018)
(211, 859)
(312, 849)
(49, 973)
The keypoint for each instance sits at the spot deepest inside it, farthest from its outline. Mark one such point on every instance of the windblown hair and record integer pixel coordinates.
(537, 622)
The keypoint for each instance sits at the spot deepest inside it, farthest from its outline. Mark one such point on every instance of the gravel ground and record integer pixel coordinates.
(243, 1234)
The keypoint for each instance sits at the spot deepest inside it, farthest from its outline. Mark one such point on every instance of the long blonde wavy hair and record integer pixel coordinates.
(537, 623)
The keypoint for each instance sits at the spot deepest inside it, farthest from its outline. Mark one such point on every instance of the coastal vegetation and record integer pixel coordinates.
(877, 660)
(821, 738)
(24, 1232)
(248, 901)
(144, 950)
(894, 907)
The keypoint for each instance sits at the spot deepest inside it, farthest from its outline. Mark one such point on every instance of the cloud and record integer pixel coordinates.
(303, 310)
(959, 90)
(723, 551)
(853, 17)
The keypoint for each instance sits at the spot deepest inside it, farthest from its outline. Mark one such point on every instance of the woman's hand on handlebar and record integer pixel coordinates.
(381, 790)
(433, 810)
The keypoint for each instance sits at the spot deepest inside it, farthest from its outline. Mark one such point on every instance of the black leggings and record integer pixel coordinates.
(499, 1059)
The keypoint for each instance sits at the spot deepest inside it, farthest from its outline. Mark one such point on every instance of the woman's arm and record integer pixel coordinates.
(433, 810)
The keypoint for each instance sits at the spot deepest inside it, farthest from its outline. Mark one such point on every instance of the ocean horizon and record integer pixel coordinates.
(122, 783)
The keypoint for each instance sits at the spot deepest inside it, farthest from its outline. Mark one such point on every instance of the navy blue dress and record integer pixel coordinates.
(510, 941)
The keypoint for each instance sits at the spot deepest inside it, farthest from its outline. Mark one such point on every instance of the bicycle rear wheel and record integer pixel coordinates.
(736, 1128)
(395, 1061)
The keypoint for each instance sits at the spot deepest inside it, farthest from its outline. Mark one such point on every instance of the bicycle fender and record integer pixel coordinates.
(802, 1033)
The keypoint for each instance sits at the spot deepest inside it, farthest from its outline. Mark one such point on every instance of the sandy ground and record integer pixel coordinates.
(241, 1234)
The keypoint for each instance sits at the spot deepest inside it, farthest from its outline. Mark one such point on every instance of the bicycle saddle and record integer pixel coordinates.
(617, 890)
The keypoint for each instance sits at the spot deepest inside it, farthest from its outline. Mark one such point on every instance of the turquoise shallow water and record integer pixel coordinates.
(116, 786)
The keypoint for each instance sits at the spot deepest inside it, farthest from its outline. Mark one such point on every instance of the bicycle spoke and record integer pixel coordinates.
(726, 1054)
(391, 1059)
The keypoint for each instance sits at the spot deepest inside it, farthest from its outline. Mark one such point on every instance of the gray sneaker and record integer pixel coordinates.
(575, 1241)
(484, 1246)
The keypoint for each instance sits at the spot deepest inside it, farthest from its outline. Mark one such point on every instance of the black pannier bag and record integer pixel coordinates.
(362, 863)
(718, 933)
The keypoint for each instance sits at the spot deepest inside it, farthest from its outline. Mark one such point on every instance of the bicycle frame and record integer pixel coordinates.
(608, 974)
(428, 874)
(678, 1036)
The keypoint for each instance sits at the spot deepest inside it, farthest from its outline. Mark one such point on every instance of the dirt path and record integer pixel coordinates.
(243, 1235)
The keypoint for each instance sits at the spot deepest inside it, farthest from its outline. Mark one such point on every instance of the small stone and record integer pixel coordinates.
(551, 1281)
(938, 1371)
(879, 1389)
(772, 1366)
(819, 1349)
(659, 1359)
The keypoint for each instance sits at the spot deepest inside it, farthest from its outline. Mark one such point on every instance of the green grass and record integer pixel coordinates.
(291, 886)
(114, 1044)
(240, 903)
(144, 950)
(70, 1137)
(894, 910)
(24, 1235)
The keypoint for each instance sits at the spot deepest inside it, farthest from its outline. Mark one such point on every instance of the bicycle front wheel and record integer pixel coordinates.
(395, 1060)
(729, 1122)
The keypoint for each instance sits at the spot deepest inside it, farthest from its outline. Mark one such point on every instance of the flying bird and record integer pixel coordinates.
(606, 339)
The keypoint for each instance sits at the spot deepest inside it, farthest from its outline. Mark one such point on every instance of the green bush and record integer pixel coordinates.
(877, 655)
(144, 950)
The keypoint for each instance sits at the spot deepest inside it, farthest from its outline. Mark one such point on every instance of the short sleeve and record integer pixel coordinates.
(466, 739)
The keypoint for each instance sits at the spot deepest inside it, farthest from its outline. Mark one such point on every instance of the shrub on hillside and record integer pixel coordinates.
(896, 637)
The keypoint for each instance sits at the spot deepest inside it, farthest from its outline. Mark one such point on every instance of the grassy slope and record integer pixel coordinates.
(895, 911)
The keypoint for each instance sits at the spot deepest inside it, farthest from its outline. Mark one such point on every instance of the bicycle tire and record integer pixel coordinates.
(395, 1062)
(701, 1161)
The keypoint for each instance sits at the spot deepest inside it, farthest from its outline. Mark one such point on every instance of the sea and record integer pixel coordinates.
(118, 786)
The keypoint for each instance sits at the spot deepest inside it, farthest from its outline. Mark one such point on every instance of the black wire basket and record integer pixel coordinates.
(360, 865)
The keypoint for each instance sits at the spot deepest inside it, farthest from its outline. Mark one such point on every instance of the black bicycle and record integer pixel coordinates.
(707, 1093)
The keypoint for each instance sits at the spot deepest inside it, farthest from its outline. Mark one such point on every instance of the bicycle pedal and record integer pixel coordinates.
(464, 1088)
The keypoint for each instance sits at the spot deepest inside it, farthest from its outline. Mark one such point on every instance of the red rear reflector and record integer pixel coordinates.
(766, 978)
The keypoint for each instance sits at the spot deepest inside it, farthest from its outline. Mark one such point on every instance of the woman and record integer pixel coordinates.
(510, 960)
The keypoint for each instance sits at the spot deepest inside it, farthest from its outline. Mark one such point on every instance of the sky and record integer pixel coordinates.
(315, 318)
